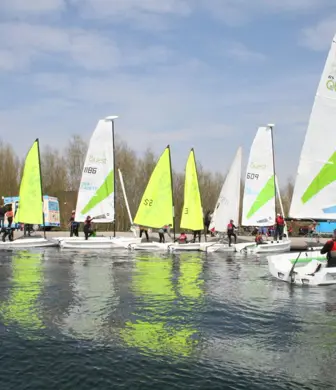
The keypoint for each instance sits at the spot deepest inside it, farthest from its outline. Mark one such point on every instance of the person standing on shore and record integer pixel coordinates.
(144, 230)
(88, 227)
(74, 226)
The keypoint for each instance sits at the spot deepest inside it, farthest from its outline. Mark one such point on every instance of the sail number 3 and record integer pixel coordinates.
(252, 176)
(148, 202)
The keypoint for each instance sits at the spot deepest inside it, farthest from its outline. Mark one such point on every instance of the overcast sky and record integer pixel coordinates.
(189, 73)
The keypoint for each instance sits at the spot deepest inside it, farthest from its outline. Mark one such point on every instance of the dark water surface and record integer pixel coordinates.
(71, 320)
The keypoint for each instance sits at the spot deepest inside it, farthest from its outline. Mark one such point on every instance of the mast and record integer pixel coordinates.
(114, 182)
(271, 126)
(172, 190)
(39, 157)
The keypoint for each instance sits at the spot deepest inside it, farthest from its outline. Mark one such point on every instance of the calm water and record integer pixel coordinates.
(116, 321)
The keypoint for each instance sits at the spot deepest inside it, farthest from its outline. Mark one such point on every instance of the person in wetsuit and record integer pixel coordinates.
(74, 226)
(9, 231)
(230, 232)
(88, 227)
(143, 229)
(330, 248)
(197, 233)
(279, 227)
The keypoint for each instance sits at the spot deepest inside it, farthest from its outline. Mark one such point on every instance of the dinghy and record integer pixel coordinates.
(305, 268)
(315, 184)
(96, 195)
(30, 208)
(192, 211)
(227, 207)
(260, 192)
(156, 208)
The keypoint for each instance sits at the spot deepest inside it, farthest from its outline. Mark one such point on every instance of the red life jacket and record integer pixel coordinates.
(333, 249)
(280, 221)
(182, 238)
(230, 226)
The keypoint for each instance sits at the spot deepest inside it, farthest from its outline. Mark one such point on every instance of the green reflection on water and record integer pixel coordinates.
(163, 331)
(22, 306)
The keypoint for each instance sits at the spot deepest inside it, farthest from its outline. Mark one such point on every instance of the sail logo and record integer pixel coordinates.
(324, 178)
(97, 160)
(331, 83)
(255, 165)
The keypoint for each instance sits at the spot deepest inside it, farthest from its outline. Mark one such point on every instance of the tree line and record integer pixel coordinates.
(62, 170)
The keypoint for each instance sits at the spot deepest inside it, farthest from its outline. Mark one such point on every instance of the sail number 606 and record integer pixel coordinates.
(148, 202)
(252, 176)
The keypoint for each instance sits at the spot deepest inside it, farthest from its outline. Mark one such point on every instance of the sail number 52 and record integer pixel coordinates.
(252, 176)
(148, 202)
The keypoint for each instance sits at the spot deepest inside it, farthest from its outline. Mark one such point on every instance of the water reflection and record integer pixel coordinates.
(93, 299)
(160, 286)
(22, 308)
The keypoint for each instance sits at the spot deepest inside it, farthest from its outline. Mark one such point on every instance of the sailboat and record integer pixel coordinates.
(96, 195)
(192, 211)
(30, 209)
(156, 208)
(260, 192)
(227, 206)
(315, 185)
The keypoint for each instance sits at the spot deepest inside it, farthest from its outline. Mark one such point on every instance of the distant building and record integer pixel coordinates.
(326, 227)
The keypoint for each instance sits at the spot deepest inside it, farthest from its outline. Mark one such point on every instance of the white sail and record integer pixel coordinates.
(259, 192)
(96, 191)
(315, 187)
(227, 206)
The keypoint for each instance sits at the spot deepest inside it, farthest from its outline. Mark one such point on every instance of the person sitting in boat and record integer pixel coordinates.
(74, 226)
(330, 248)
(182, 239)
(259, 239)
(231, 231)
(88, 231)
(279, 227)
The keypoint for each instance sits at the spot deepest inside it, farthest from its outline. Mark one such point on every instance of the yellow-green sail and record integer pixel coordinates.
(30, 204)
(156, 207)
(192, 212)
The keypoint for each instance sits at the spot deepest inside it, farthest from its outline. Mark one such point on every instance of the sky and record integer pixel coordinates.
(189, 73)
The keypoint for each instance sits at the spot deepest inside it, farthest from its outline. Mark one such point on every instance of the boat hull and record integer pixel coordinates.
(304, 272)
(149, 246)
(214, 247)
(97, 242)
(26, 243)
(268, 247)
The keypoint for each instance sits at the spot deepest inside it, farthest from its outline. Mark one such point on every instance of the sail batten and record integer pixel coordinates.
(96, 191)
(315, 184)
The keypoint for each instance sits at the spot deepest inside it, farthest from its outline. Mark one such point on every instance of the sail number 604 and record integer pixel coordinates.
(148, 202)
(252, 176)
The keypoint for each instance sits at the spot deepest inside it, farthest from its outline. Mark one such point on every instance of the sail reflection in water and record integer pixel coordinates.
(22, 308)
(165, 289)
(93, 301)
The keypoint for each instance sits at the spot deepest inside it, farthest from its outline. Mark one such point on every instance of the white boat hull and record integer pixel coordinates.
(304, 272)
(150, 246)
(24, 243)
(268, 247)
(97, 242)
(214, 247)
(189, 247)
